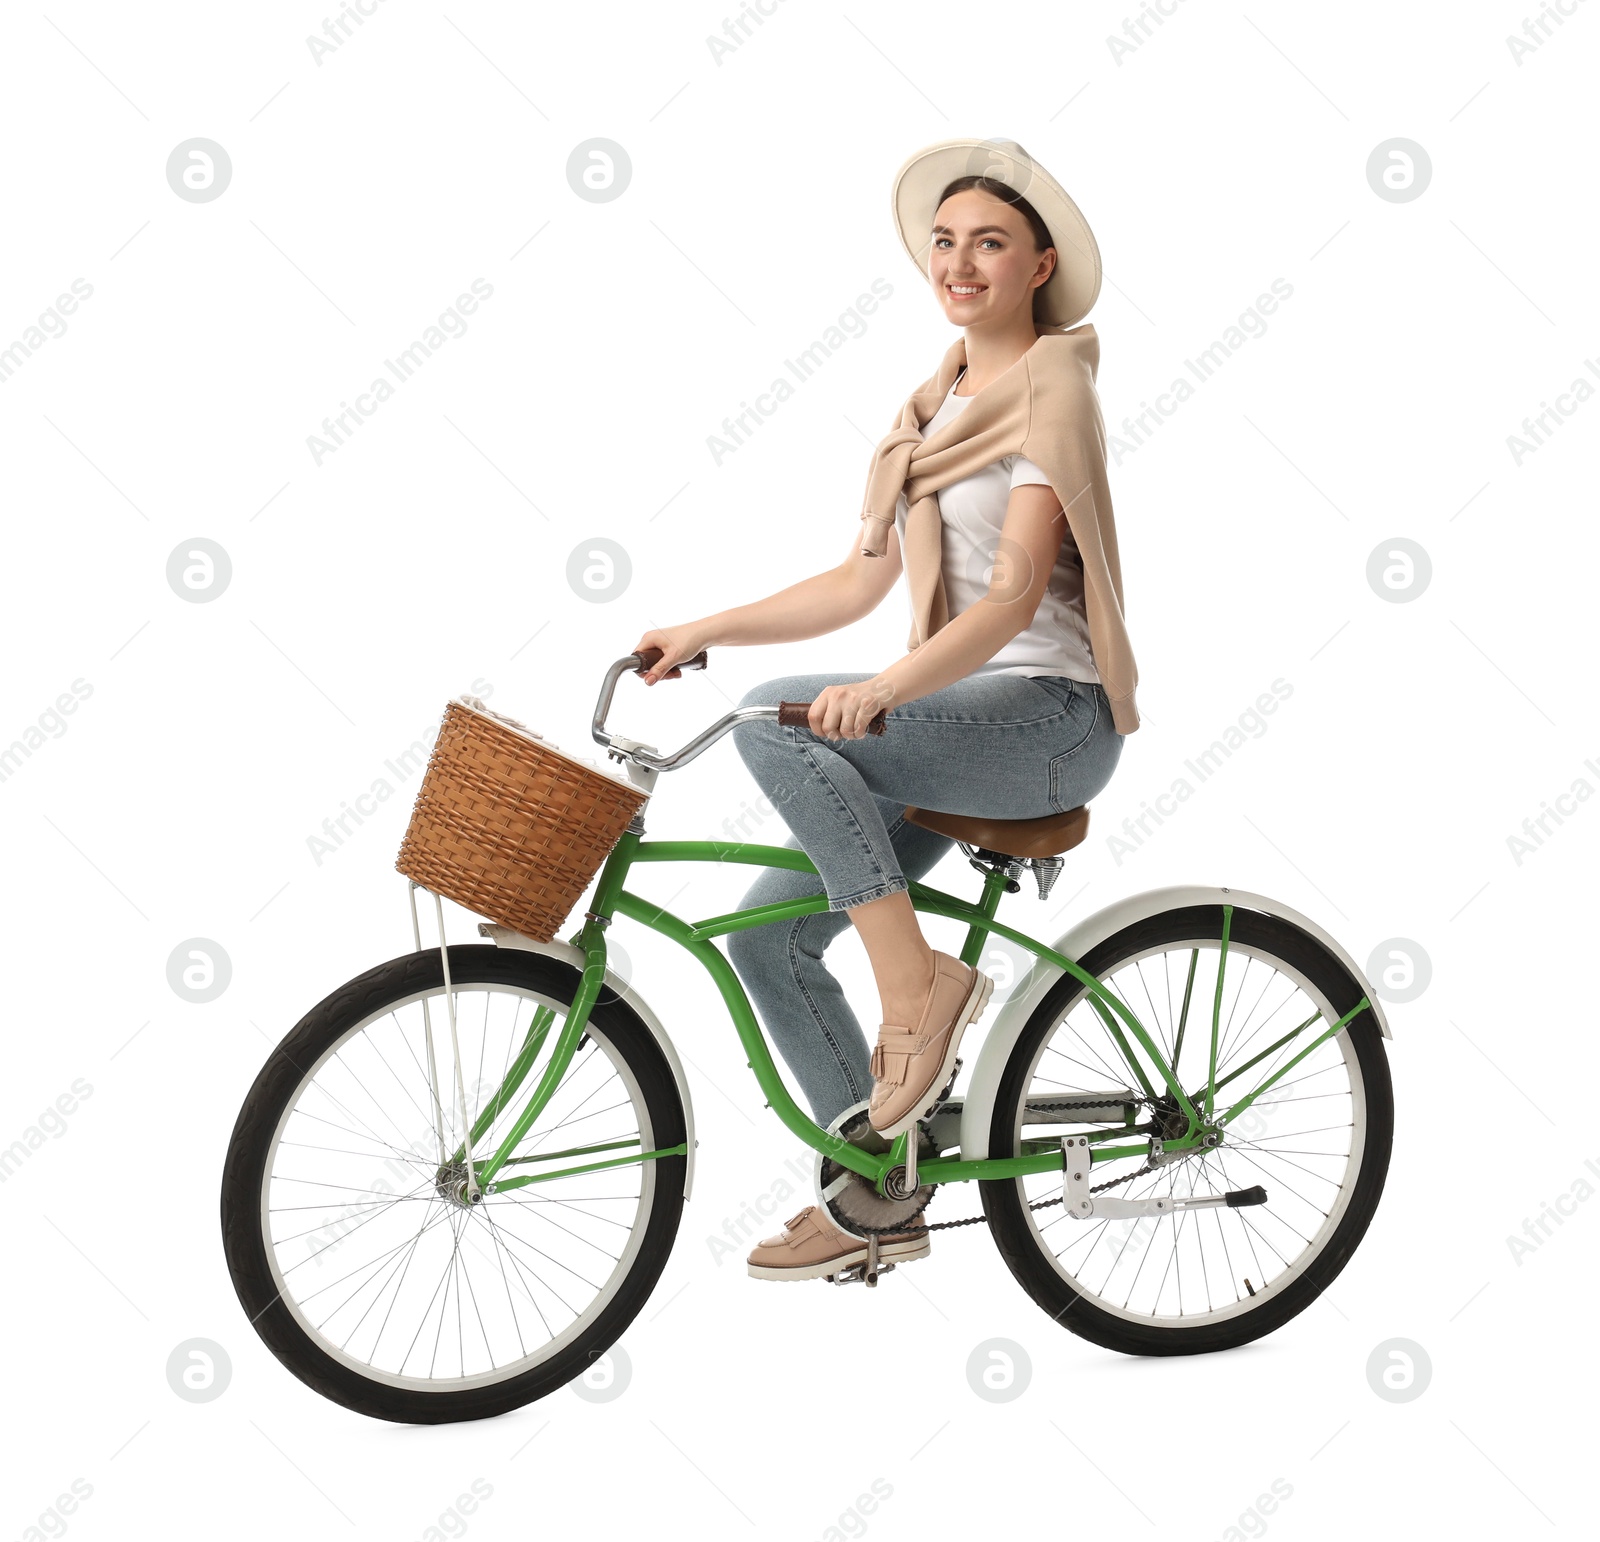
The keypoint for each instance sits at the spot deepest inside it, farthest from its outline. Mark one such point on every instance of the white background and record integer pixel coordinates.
(1228, 149)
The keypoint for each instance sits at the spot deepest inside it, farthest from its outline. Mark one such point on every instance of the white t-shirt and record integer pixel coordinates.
(973, 511)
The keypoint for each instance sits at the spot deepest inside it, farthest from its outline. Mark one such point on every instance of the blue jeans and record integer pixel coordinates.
(1002, 746)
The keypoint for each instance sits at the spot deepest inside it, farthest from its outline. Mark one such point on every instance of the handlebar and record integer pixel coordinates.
(794, 714)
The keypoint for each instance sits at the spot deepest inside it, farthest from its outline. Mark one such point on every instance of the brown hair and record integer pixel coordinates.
(1008, 194)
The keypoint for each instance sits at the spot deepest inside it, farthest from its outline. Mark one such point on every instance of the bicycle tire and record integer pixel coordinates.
(244, 1226)
(1005, 1204)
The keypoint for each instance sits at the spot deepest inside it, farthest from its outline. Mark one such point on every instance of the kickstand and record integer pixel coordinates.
(870, 1271)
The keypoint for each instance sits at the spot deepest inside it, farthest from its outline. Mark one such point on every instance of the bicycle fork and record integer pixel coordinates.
(477, 1175)
(473, 1191)
(467, 1177)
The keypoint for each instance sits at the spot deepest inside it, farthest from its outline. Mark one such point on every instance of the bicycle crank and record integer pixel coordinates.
(853, 1202)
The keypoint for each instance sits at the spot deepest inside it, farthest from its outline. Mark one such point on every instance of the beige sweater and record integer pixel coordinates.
(1045, 407)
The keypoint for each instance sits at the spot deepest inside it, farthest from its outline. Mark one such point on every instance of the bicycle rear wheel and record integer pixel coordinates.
(349, 1242)
(1318, 1141)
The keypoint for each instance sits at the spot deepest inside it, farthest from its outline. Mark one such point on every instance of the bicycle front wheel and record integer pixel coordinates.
(352, 1247)
(1197, 1279)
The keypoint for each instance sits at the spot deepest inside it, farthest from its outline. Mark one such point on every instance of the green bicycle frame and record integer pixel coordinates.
(612, 899)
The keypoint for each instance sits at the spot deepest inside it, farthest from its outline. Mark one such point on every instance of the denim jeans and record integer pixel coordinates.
(1001, 746)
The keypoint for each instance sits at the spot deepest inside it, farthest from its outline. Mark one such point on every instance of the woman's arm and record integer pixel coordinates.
(1030, 541)
(822, 603)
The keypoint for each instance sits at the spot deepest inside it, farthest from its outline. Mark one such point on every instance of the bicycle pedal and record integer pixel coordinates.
(856, 1274)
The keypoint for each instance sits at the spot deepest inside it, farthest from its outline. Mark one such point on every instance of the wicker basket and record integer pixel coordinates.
(508, 826)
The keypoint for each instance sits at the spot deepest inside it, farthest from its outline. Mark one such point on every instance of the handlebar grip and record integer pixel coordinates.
(649, 657)
(795, 714)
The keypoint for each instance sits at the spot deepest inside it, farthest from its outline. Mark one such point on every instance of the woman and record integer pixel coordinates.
(1017, 688)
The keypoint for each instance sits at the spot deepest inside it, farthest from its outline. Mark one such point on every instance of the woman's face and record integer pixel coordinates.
(981, 261)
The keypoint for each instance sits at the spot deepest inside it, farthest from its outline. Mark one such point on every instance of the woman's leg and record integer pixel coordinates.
(1006, 746)
(798, 999)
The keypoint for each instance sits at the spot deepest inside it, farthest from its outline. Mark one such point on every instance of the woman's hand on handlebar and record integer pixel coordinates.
(676, 644)
(843, 711)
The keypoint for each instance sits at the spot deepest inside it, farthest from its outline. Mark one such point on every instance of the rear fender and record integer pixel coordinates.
(977, 1110)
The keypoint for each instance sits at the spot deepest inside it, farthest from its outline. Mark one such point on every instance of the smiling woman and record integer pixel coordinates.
(1017, 687)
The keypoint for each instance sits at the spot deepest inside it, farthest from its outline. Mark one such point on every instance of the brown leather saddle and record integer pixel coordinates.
(1022, 838)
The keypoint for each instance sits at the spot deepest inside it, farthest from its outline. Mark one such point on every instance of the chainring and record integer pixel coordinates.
(857, 1203)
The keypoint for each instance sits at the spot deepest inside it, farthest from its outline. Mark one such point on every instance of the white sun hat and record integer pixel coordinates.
(1074, 283)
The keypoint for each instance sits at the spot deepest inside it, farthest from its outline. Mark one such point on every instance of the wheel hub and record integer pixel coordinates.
(1170, 1122)
(451, 1183)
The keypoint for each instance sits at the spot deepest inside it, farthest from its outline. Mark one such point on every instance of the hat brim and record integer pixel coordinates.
(1074, 284)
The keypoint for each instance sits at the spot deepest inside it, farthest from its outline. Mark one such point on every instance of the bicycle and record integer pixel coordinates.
(424, 1255)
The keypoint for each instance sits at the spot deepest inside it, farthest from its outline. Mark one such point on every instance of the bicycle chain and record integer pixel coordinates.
(1039, 1204)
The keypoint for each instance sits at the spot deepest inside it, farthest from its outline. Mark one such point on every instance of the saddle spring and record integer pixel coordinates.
(1045, 869)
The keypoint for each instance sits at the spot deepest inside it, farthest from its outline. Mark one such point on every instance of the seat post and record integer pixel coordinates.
(996, 881)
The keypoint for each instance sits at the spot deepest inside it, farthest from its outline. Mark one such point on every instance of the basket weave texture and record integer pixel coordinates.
(508, 827)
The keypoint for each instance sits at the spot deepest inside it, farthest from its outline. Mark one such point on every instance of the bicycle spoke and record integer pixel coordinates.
(404, 1155)
(406, 1252)
(426, 1117)
(1153, 1022)
(1241, 1044)
(526, 1268)
(1181, 1265)
(338, 1056)
(551, 1220)
(455, 1242)
(1110, 1075)
(1233, 1038)
(505, 1254)
(337, 1240)
(427, 1288)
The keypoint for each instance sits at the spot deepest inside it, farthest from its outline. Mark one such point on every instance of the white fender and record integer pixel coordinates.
(977, 1110)
(504, 937)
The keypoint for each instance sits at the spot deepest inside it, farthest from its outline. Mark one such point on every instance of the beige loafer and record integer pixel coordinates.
(910, 1066)
(811, 1246)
